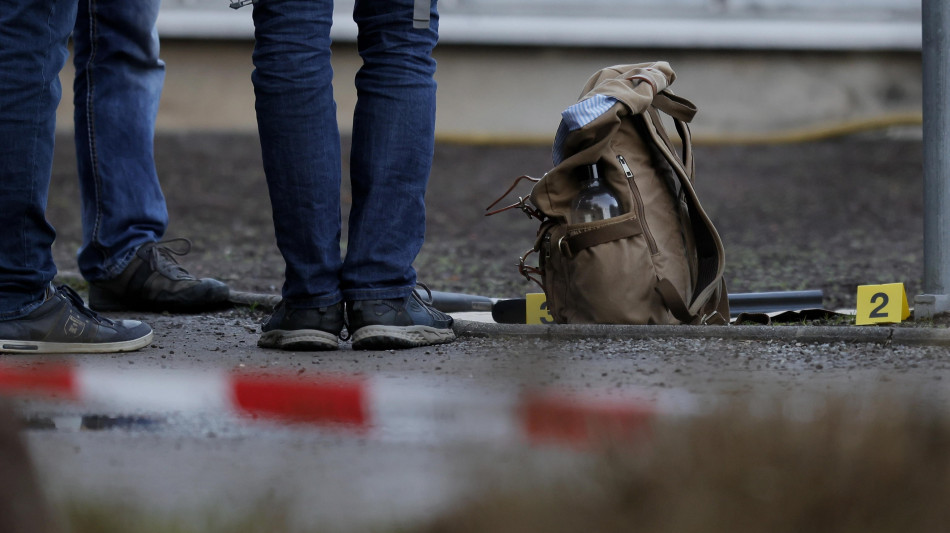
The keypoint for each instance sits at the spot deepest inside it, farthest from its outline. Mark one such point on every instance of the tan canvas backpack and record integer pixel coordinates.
(660, 261)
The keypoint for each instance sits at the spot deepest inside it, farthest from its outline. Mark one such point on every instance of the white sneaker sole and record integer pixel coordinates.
(393, 337)
(299, 339)
(15, 346)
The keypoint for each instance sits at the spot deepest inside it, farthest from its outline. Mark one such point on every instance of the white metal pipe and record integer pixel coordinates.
(727, 33)
(936, 95)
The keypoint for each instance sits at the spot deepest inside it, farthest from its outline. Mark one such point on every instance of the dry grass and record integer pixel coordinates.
(832, 468)
(768, 466)
(22, 508)
(99, 518)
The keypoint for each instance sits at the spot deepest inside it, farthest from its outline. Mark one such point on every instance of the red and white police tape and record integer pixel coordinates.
(390, 407)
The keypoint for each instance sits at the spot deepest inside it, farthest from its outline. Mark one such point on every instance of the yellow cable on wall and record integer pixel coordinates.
(796, 135)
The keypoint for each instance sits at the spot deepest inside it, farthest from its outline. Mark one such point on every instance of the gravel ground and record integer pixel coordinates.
(825, 215)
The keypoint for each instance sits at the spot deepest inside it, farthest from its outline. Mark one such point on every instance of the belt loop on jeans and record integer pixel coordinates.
(420, 14)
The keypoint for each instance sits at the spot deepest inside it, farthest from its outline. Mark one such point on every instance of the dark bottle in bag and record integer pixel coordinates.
(595, 201)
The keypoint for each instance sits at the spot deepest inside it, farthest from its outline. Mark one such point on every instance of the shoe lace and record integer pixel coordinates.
(161, 257)
(428, 299)
(80, 305)
(345, 334)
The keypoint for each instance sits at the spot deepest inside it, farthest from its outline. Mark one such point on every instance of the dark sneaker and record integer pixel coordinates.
(63, 324)
(303, 329)
(400, 323)
(154, 281)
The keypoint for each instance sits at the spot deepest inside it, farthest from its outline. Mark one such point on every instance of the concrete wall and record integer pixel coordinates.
(507, 69)
(791, 24)
(503, 93)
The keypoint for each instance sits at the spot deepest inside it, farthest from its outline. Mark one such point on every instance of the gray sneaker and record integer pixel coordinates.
(154, 281)
(63, 324)
(393, 324)
(303, 329)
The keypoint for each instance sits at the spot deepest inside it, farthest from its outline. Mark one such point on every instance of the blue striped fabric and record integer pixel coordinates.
(577, 116)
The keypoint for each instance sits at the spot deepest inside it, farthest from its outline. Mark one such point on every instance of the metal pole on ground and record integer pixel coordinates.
(936, 99)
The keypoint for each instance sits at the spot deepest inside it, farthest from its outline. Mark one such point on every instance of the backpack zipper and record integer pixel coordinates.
(641, 210)
(626, 169)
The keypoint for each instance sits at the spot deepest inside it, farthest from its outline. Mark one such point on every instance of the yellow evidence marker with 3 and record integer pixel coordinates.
(536, 309)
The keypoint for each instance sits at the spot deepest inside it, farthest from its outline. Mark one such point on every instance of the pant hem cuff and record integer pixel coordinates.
(389, 293)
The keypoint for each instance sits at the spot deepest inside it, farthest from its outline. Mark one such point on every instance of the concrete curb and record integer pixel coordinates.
(263, 301)
(809, 334)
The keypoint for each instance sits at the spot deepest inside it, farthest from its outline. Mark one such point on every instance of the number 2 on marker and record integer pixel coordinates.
(881, 304)
(878, 312)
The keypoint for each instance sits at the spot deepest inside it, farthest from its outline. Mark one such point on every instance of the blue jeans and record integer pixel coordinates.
(119, 79)
(391, 153)
(118, 83)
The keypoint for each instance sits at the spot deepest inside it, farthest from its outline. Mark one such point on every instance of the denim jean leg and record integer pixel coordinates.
(393, 144)
(119, 78)
(33, 38)
(300, 143)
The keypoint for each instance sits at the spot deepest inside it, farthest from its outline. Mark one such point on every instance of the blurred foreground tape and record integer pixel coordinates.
(580, 423)
(881, 304)
(374, 407)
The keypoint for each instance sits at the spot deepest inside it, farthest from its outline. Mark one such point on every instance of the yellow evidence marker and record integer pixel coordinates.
(881, 304)
(536, 309)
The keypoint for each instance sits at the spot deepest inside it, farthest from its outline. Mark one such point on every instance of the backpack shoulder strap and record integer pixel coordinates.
(709, 297)
(674, 106)
(682, 129)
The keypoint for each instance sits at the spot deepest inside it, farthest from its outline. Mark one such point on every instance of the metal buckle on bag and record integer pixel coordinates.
(532, 273)
(521, 204)
(564, 248)
(709, 316)
(527, 209)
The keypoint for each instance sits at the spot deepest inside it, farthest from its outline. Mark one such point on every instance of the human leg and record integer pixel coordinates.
(300, 145)
(34, 317)
(119, 78)
(118, 83)
(33, 37)
(393, 144)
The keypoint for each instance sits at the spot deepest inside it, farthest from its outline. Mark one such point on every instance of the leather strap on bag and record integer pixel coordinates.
(716, 312)
(708, 246)
(682, 111)
(571, 244)
(719, 317)
(674, 302)
(682, 128)
(674, 106)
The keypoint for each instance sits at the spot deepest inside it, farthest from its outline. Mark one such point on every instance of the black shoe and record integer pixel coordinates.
(154, 281)
(303, 329)
(400, 323)
(63, 324)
